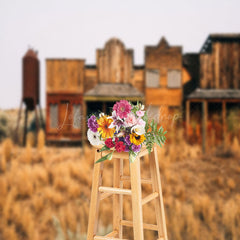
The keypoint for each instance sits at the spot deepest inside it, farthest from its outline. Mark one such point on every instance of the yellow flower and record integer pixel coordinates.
(104, 129)
(137, 139)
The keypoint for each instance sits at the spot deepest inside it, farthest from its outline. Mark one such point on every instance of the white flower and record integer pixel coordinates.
(141, 122)
(138, 129)
(117, 121)
(101, 114)
(142, 107)
(94, 138)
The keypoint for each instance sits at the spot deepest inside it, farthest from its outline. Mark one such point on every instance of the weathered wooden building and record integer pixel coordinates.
(219, 80)
(167, 80)
(65, 90)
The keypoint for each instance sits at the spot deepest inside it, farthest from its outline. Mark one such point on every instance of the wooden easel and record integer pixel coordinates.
(100, 192)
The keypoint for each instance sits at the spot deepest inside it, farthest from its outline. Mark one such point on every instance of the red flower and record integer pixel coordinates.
(120, 147)
(109, 143)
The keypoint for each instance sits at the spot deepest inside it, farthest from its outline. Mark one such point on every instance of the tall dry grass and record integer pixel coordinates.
(201, 194)
(41, 139)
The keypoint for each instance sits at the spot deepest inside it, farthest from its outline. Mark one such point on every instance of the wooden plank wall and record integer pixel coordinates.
(220, 69)
(90, 79)
(163, 96)
(114, 63)
(138, 79)
(65, 75)
(163, 58)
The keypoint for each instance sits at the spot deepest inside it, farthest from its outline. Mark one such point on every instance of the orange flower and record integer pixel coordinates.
(104, 129)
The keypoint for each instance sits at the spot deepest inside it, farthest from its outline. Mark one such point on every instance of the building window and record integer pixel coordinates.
(76, 116)
(152, 78)
(174, 78)
(53, 115)
(153, 113)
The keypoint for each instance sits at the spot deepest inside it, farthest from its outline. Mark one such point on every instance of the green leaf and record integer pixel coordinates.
(104, 148)
(158, 141)
(152, 124)
(106, 157)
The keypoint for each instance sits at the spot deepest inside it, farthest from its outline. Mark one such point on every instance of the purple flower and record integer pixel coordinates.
(136, 148)
(92, 123)
(126, 148)
(127, 140)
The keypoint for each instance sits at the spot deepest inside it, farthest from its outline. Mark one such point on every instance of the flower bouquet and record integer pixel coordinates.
(126, 130)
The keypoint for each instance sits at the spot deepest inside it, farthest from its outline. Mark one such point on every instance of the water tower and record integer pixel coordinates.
(30, 91)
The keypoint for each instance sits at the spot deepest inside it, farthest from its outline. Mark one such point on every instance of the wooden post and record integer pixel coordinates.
(94, 204)
(136, 199)
(224, 123)
(157, 187)
(104, 107)
(217, 63)
(18, 122)
(204, 125)
(117, 199)
(25, 126)
(187, 117)
(41, 117)
(36, 120)
(83, 124)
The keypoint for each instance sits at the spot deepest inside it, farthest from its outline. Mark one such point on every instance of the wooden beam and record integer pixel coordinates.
(224, 122)
(143, 180)
(150, 198)
(112, 234)
(25, 126)
(217, 63)
(111, 99)
(127, 223)
(187, 117)
(104, 195)
(107, 238)
(204, 125)
(115, 190)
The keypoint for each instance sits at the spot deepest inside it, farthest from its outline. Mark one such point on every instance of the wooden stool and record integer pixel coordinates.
(100, 192)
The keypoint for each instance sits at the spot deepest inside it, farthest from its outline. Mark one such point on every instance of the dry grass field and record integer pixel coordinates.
(45, 192)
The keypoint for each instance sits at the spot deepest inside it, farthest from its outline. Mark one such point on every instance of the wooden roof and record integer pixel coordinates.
(200, 93)
(219, 37)
(113, 91)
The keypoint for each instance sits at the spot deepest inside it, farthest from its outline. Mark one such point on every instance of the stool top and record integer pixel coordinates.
(124, 155)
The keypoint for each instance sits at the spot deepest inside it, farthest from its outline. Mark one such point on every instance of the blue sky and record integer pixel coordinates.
(74, 29)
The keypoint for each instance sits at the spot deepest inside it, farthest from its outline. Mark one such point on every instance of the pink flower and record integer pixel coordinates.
(130, 120)
(122, 108)
(140, 113)
(141, 122)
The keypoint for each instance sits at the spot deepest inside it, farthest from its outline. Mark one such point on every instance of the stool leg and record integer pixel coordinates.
(159, 207)
(136, 199)
(117, 198)
(94, 204)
